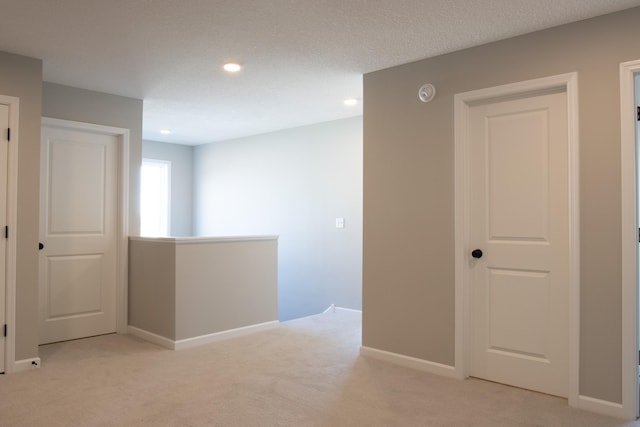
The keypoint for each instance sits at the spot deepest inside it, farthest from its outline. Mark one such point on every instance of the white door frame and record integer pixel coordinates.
(629, 156)
(122, 229)
(12, 241)
(463, 102)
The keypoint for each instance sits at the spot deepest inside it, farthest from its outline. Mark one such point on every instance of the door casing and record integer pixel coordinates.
(12, 241)
(463, 101)
(122, 228)
(629, 194)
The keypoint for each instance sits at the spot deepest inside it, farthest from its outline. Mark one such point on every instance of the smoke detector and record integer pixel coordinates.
(426, 92)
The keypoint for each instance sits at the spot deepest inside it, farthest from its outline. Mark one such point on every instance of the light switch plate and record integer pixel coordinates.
(339, 222)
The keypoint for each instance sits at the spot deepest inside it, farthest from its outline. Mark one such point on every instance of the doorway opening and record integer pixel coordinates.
(465, 255)
(84, 230)
(629, 88)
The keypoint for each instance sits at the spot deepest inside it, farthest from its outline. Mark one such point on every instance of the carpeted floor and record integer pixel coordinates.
(307, 372)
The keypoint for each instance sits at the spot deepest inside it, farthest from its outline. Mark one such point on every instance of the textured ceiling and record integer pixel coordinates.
(301, 57)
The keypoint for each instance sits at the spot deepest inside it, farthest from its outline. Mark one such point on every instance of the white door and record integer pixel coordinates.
(4, 167)
(520, 221)
(78, 207)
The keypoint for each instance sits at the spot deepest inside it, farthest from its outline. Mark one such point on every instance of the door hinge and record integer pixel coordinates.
(638, 113)
(6, 231)
(9, 134)
(5, 329)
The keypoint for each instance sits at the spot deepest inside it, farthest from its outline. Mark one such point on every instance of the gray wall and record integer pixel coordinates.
(222, 286)
(294, 184)
(181, 158)
(408, 272)
(80, 105)
(152, 287)
(21, 77)
(185, 288)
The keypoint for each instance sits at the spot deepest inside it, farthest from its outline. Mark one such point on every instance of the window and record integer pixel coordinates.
(155, 176)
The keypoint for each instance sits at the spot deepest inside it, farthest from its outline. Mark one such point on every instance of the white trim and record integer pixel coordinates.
(598, 406)
(333, 308)
(225, 335)
(151, 337)
(462, 103)
(573, 136)
(352, 310)
(629, 156)
(202, 339)
(12, 242)
(122, 232)
(462, 351)
(409, 362)
(200, 240)
(122, 294)
(25, 365)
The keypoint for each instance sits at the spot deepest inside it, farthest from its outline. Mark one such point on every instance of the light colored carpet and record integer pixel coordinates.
(307, 372)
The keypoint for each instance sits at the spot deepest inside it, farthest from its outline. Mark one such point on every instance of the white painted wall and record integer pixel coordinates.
(181, 158)
(293, 183)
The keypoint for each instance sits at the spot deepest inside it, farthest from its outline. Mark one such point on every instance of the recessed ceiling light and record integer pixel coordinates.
(166, 131)
(350, 102)
(232, 67)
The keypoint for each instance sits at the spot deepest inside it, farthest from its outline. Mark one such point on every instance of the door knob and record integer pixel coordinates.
(476, 253)
(40, 246)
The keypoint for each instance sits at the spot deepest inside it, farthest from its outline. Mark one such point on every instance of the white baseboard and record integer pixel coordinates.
(25, 365)
(333, 308)
(353, 310)
(410, 362)
(224, 335)
(200, 340)
(602, 407)
(151, 337)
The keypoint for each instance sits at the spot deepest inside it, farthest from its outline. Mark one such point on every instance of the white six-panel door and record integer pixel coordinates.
(78, 203)
(520, 220)
(4, 167)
